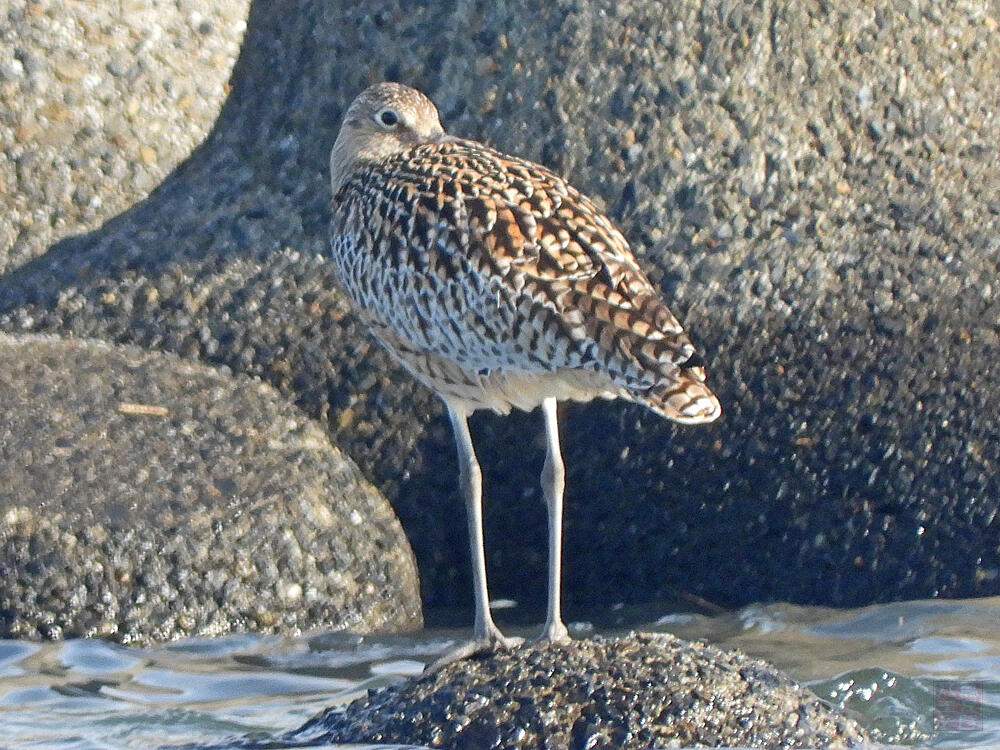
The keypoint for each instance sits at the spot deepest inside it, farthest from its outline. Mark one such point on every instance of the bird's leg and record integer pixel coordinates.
(553, 483)
(487, 636)
(470, 478)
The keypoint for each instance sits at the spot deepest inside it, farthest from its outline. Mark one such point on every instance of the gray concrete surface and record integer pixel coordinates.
(99, 102)
(144, 498)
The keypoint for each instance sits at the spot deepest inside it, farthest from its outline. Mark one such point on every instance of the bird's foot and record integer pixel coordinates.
(489, 643)
(553, 633)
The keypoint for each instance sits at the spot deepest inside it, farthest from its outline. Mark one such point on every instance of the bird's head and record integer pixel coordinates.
(384, 119)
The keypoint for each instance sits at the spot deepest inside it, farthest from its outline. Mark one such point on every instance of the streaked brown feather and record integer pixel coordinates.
(548, 285)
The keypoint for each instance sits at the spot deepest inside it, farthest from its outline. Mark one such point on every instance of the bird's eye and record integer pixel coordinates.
(387, 118)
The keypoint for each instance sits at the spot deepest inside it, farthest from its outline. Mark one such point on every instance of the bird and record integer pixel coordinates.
(499, 286)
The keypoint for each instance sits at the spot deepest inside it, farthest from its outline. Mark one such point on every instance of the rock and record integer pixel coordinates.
(145, 498)
(850, 321)
(89, 91)
(641, 691)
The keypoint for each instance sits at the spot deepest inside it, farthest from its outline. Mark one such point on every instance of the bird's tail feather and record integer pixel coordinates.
(685, 398)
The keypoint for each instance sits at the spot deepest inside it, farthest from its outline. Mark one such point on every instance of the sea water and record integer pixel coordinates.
(923, 673)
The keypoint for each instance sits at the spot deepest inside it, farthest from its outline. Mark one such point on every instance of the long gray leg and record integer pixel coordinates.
(485, 632)
(553, 483)
(470, 478)
(486, 635)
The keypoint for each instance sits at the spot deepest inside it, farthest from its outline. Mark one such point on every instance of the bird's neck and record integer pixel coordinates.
(348, 154)
(343, 161)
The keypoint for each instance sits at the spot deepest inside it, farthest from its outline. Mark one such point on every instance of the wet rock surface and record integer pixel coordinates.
(99, 102)
(641, 691)
(145, 498)
(814, 188)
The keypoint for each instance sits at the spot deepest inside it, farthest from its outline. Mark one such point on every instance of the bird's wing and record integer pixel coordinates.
(507, 244)
(543, 236)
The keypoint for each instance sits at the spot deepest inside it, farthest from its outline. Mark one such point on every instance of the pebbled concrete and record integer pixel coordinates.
(143, 498)
(640, 691)
(99, 102)
(814, 188)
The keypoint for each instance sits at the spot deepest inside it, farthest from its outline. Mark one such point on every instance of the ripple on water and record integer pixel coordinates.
(925, 673)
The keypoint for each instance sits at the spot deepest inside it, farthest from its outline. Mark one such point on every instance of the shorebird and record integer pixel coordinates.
(499, 286)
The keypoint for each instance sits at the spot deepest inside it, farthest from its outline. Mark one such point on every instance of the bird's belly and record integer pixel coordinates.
(499, 389)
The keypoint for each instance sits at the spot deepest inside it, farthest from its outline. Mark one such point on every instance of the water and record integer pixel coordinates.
(924, 673)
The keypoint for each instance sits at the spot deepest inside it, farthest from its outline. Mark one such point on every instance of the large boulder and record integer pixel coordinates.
(145, 498)
(99, 102)
(813, 187)
(626, 693)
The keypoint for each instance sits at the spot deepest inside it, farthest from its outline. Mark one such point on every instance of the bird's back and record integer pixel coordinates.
(486, 272)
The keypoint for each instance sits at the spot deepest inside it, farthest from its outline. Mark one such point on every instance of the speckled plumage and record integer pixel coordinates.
(497, 283)
(499, 286)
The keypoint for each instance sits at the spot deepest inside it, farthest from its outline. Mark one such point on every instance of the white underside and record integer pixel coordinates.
(503, 390)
